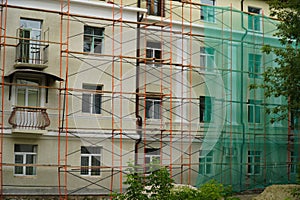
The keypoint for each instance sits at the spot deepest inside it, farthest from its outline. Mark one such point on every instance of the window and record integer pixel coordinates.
(152, 156)
(29, 47)
(254, 111)
(28, 92)
(153, 51)
(91, 99)
(254, 64)
(90, 161)
(254, 18)
(207, 58)
(293, 165)
(155, 7)
(153, 108)
(206, 162)
(25, 154)
(93, 39)
(254, 158)
(205, 108)
(208, 11)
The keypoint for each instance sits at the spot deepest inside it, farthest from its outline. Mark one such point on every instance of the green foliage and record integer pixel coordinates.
(284, 80)
(158, 186)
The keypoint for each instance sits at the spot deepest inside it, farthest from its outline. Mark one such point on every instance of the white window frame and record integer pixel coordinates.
(252, 164)
(206, 58)
(24, 155)
(154, 48)
(206, 161)
(152, 157)
(208, 13)
(151, 110)
(93, 92)
(252, 18)
(90, 157)
(31, 46)
(92, 43)
(36, 78)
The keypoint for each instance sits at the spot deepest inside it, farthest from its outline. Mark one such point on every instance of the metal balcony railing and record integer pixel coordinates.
(31, 52)
(24, 117)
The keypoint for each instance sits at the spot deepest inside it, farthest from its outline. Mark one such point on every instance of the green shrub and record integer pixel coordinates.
(159, 186)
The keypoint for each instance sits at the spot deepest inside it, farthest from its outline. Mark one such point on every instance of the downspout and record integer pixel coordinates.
(242, 93)
(139, 120)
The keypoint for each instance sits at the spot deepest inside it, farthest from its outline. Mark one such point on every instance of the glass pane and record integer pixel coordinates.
(97, 104)
(33, 97)
(149, 109)
(208, 168)
(25, 148)
(97, 45)
(88, 30)
(87, 43)
(21, 97)
(157, 54)
(19, 159)
(84, 162)
(18, 170)
(86, 103)
(96, 163)
(149, 53)
(157, 110)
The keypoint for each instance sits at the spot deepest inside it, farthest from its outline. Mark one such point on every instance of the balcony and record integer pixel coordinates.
(29, 120)
(31, 54)
(32, 49)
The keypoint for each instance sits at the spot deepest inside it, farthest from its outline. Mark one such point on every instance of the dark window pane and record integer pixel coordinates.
(25, 148)
(86, 102)
(96, 163)
(84, 162)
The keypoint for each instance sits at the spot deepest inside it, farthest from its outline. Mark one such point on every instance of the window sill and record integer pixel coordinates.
(154, 121)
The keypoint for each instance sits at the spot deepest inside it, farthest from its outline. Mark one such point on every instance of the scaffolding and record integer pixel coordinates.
(174, 86)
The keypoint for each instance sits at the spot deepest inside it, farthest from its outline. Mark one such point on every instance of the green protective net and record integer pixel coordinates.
(240, 146)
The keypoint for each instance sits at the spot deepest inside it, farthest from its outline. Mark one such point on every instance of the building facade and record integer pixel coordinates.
(89, 86)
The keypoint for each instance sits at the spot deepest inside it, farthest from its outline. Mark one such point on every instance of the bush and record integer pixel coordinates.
(159, 186)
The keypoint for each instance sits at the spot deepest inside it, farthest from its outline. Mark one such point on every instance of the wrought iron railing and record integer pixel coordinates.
(24, 117)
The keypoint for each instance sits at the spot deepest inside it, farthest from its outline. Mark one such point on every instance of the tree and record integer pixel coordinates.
(284, 80)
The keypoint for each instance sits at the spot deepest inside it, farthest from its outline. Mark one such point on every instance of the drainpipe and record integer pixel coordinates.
(139, 120)
(242, 93)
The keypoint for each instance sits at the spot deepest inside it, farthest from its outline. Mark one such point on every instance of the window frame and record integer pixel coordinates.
(206, 162)
(254, 106)
(254, 20)
(92, 94)
(155, 102)
(89, 168)
(254, 165)
(154, 52)
(30, 37)
(28, 87)
(207, 11)
(293, 162)
(254, 65)
(24, 155)
(207, 55)
(152, 5)
(154, 154)
(91, 37)
(203, 115)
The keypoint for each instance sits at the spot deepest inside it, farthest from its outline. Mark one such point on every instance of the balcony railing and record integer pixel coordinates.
(23, 117)
(31, 52)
